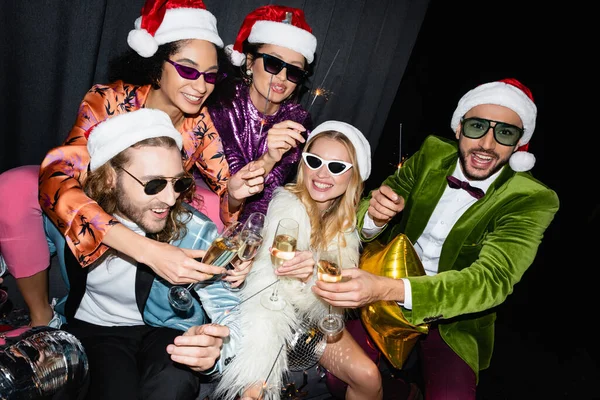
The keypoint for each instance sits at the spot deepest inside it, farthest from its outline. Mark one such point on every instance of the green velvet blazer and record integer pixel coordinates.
(485, 254)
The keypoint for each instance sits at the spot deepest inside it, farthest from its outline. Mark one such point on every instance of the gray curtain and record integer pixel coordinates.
(53, 51)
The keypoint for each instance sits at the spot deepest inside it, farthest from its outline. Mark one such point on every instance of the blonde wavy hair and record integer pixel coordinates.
(341, 216)
(99, 186)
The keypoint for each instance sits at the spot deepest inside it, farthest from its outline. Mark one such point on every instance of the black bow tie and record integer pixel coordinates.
(456, 183)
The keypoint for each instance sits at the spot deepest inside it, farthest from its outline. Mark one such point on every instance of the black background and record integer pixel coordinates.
(545, 347)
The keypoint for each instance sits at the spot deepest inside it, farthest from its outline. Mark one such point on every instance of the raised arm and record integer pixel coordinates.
(89, 231)
(62, 173)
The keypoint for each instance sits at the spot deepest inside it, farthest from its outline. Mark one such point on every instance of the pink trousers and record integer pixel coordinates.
(22, 238)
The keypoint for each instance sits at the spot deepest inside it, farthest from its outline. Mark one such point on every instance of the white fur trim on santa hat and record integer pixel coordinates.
(358, 140)
(509, 96)
(112, 136)
(235, 57)
(285, 35)
(177, 24)
(502, 94)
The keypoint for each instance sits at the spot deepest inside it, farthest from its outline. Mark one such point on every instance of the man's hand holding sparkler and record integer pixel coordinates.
(280, 139)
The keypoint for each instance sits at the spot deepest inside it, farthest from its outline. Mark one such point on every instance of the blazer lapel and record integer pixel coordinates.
(426, 198)
(144, 277)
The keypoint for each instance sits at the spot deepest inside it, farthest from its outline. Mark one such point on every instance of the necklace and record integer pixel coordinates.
(327, 209)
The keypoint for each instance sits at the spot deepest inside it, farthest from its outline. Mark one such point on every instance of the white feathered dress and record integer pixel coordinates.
(265, 331)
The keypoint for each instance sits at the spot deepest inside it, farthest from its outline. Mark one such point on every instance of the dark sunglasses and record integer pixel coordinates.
(192, 73)
(155, 186)
(505, 134)
(274, 65)
(315, 162)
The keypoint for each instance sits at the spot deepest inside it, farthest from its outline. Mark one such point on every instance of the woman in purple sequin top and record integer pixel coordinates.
(259, 118)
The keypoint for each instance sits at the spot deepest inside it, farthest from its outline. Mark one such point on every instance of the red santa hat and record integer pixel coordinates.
(111, 136)
(278, 25)
(165, 21)
(512, 94)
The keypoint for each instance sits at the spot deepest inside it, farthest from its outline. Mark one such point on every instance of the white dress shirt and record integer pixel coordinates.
(452, 204)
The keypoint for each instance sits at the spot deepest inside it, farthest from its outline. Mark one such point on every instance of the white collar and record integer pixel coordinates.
(130, 224)
(483, 185)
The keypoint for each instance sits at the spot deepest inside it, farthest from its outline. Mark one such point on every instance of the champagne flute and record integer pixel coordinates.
(283, 248)
(329, 269)
(220, 253)
(251, 237)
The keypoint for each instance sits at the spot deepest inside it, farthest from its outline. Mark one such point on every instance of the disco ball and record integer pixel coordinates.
(39, 362)
(306, 347)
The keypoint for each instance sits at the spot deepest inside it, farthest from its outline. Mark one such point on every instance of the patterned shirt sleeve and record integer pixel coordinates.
(206, 153)
(83, 222)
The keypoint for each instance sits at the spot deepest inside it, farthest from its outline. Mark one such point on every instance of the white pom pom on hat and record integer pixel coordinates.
(356, 137)
(509, 93)
(235, 57)
(278, 25)
(165, 21)
(108, 138)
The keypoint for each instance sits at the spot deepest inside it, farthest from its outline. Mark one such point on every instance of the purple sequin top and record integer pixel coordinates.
(238, 124)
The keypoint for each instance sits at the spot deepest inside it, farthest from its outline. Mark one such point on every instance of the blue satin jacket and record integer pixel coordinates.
(216, 300)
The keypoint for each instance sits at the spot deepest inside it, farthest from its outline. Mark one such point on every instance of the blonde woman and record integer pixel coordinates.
(330, 177)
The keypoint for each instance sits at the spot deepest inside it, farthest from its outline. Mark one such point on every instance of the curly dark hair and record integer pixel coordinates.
(132, 68)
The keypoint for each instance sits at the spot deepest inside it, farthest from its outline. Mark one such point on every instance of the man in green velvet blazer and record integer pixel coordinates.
(475, 242)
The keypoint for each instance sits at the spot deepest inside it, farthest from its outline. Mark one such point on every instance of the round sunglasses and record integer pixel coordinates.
(335, 167)
(155, 186)
(192, 73)
(274, 65)
(505, 134)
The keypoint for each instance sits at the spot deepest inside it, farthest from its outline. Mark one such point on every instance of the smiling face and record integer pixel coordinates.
(483, 157)
(149, 212)
(178, 95)
(280, 87)
(322, 185)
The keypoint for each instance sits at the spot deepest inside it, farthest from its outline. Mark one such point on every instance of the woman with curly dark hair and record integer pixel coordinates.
(173, 67)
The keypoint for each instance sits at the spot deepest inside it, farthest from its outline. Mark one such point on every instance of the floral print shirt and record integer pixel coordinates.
(63, 170)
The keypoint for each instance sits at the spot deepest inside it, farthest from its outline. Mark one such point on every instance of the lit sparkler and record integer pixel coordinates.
(400, 157)
(320, 90)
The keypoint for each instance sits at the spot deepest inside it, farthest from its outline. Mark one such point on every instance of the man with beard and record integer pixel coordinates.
(476, 218)
(136, 174)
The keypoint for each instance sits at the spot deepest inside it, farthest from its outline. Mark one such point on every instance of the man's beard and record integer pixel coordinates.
(136, 215)
(463, 163)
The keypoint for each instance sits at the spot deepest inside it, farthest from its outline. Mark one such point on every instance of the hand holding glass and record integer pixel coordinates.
(329, 269)
(220, 253)
(251, 237)
(282, 249)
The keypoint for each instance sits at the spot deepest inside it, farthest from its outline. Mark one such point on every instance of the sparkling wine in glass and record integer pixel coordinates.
(220, 253)
(251, 238)
(282, 249)
(329, 269)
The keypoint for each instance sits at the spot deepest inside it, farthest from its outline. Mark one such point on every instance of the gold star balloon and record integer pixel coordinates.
(392, 333)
